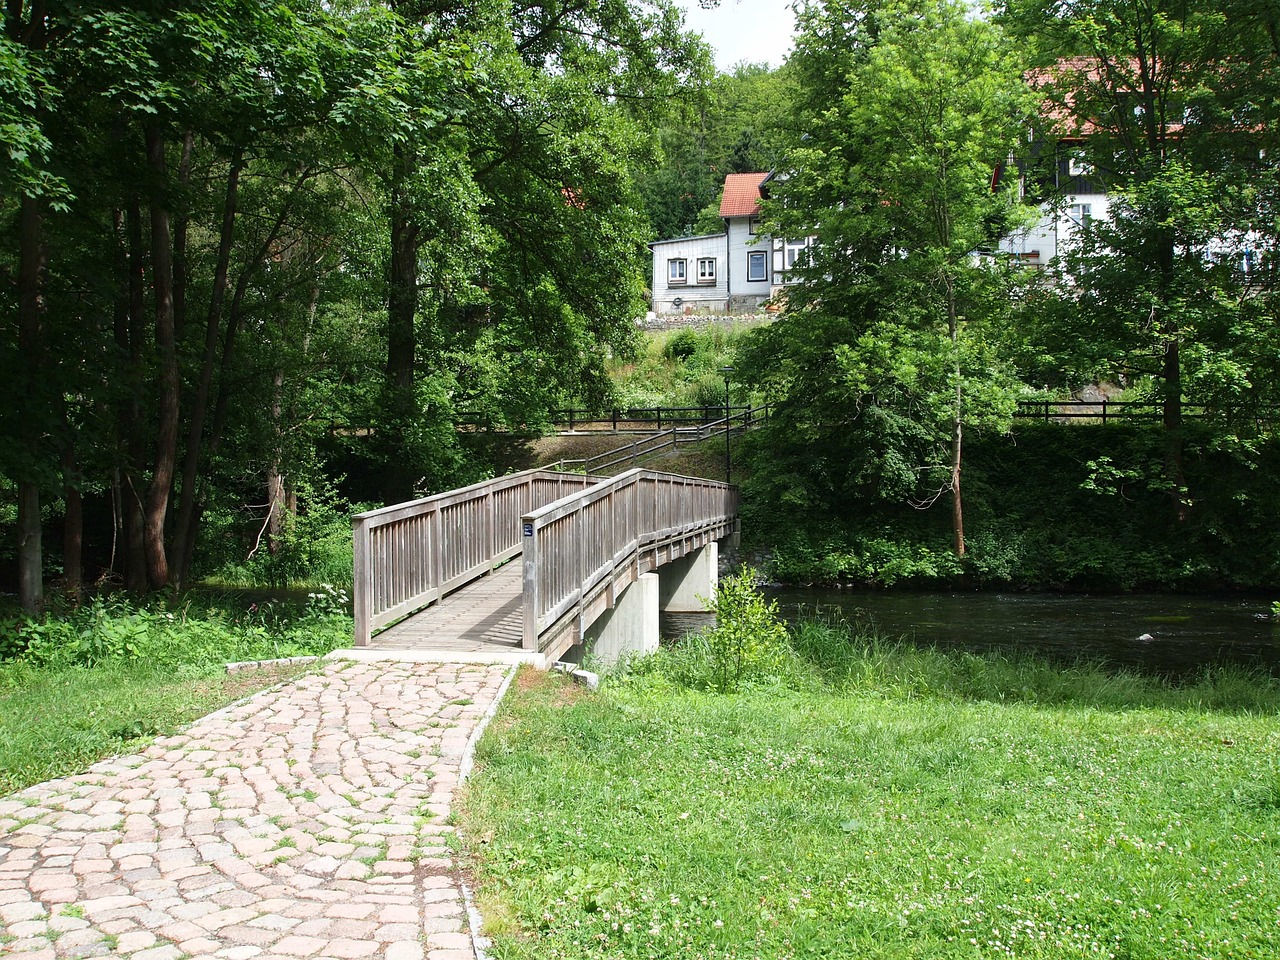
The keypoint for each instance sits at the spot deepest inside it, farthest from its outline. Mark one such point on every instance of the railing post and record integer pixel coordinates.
(529, 640)
(437, 545)
(362, 583)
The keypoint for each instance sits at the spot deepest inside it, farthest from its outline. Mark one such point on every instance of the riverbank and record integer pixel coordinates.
(906, 803)
(1047, 507)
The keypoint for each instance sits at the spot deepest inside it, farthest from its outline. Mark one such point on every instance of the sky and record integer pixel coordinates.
(758, 31)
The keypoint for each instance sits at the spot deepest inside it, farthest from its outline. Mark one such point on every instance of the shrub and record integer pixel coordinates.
(682, 346)
(748, 644)
(109, 629)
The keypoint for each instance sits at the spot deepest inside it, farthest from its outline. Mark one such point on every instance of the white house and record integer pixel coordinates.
(1084, 199)
(738, 270)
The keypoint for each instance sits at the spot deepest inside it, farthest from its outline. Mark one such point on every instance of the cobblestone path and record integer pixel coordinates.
(309, 821)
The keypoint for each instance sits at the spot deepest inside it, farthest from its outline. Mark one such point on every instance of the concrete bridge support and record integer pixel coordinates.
(630, 628)
(687, 582)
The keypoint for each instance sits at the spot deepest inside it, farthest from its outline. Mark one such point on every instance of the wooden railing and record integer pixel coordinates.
(412, 554)
(1103, 411)
(630, 419)
(574, 547)
(631, 453)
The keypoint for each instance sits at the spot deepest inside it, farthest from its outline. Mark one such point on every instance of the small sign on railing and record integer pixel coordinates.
(528, 529)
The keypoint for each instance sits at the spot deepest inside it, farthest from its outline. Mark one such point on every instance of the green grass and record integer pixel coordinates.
(681, 368)
(907, 804)
(57, 721)
(81, 684)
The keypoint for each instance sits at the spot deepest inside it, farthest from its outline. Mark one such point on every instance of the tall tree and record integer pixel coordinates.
(1171, 105)
(893, 177)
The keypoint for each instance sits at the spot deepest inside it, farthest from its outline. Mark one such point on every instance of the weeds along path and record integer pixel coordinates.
(308, 821)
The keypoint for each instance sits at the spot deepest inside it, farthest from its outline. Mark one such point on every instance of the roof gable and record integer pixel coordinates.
(742, 194)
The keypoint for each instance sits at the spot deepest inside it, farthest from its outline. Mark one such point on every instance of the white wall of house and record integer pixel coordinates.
(1050, 235)
(750, 264)
(691, 270)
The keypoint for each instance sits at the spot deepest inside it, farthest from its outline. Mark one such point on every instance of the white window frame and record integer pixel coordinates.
(786, 253)
(753, 225)
(754, 257)
(1078, 166)
(706, 269)
(1081, 214)
(677, 271)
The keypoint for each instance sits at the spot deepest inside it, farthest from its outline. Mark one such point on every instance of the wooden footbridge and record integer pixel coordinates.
(520, 568)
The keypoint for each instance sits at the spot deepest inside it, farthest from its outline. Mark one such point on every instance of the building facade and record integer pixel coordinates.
(737, 271)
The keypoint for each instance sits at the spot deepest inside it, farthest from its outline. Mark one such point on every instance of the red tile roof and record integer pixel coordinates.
(741, 194)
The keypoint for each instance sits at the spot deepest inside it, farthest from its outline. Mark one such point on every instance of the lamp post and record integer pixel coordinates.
(728, 474)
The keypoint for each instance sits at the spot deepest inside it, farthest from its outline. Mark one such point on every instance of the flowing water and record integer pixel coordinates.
(1164, 634)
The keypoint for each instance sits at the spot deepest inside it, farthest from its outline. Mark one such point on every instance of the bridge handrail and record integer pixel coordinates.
(572, 547)
(409, 555)
(747, 418)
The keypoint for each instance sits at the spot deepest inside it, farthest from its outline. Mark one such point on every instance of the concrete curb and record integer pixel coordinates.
(278, 662)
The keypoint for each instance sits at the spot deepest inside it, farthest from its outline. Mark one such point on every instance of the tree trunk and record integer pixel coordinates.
(180, 270)
(31, 270)
(129, 332)
(1171, 371)
(234, 314)
(166, 446)
(957, 422)
(185, 526)
(73, 525)
(402, 308)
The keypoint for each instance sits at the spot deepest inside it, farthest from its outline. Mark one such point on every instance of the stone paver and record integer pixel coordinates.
(307, 822)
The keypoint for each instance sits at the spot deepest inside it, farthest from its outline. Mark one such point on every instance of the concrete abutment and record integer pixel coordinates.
(630, 627)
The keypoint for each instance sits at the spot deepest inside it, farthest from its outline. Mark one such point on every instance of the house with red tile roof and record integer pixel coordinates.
(734, 272)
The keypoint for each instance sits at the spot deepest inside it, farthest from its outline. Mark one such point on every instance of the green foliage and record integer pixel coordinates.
(732, 126)
(890, 347)
(682, 369)
(749, 641)
(1052, 506)
(682, 346)
(190, 636)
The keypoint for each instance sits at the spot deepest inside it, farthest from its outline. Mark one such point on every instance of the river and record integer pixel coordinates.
(1170, 635)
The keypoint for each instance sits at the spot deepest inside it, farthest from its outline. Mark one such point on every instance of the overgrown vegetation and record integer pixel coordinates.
(197, 634)
(681, 368)
(868, 799)
(1050, 505)
(115, 672)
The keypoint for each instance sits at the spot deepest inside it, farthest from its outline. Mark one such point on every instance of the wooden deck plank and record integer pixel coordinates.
(486, 615)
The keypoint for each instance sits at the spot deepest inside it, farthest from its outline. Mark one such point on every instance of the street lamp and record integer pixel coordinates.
(728, 474)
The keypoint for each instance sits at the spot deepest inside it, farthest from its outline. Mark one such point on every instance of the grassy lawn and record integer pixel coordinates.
(55, 722)
(880, 819)
(102, 679)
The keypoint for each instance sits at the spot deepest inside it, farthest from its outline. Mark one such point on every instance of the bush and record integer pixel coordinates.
(682, 346)
(748, 644)
(120, 630)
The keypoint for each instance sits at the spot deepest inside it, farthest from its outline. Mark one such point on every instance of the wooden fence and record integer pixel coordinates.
(412, 554)
(630, 453)
(575, 548)
(630, 419)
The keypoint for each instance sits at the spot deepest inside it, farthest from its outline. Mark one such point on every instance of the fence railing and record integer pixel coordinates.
(1103, 410)
(573, 547)
(411, 554)
(629, 418)
(630, 453)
